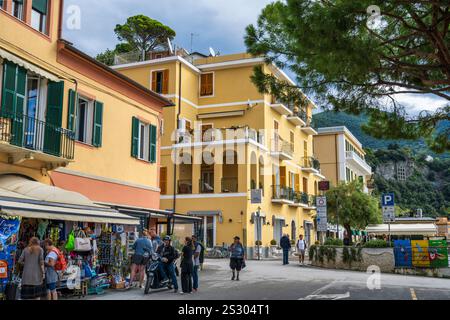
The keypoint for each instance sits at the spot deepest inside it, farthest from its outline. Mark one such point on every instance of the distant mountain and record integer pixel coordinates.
(354, 123)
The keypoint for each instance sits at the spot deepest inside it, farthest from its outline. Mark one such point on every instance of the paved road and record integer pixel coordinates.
(268, 280)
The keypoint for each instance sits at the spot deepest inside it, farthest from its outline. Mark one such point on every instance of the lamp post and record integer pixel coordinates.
(258, 226)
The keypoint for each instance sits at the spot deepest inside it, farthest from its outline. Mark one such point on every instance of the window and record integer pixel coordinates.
(1, 4)
(160, 81)
(144, 139)
(89, 122)
(207, 84)
(17, 9)
(401, 173)
(305, 185)
(39, 15)
(292, 139)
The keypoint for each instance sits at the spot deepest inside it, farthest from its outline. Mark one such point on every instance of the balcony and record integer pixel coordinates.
(307, 128)
(229, 185)
(310, 164)
(356, 161)
(282, 194)
(26, 138)
(206, 186)
(216, 135)
(298, 117)
(282, 149)
(281, 108)
(184, 186)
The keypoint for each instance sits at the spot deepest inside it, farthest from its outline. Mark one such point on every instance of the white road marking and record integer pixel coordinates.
(336, 296)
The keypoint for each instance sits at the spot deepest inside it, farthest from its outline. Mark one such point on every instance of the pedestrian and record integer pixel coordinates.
(285, 244)
(143, 250)
(197, 252)
(32, 259)
(301, 248)
(237, 258)
(187, 266)
(51, 275)
(156, 240)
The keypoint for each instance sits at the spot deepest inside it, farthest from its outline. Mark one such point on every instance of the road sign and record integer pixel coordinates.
(256, 196)
(324, 185)
(388, 214)
(387, 200)
(322, 219)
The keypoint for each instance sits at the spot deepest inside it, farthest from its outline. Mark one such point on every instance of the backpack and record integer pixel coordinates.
(61, 263)
(201, 257)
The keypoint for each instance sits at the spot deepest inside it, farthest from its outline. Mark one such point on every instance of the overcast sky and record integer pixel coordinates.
(215, 23)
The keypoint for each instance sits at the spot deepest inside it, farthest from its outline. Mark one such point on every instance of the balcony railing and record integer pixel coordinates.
(306, 199)
(184, 186)
(33, 134)
(222, 134)
(205, 186)
(282, 193)
(229, 185)
(310, 162)
(281, 146)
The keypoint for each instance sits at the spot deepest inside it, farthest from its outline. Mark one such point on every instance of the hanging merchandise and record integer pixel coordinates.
(54, 234)
(104, 248)
(70, 245)
(42, 228)
(82, 242)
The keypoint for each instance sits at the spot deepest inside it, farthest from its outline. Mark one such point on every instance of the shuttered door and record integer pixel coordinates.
(71, 110)
(98, 124)
(165, 85)
(297, 182)
(283, 176)
(13, 101)
(135, 137)
(163, 180)
(153, 137)
(53, 118)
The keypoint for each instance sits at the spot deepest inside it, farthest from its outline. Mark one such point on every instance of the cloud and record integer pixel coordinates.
(216, 23)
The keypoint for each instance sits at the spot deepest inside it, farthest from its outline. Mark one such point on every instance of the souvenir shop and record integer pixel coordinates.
(96, 242)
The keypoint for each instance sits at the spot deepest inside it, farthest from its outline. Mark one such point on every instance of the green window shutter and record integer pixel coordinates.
(135, 137)
(53, 118)
(71, 110)
(98, 124)
(40, 5)
(14, 84)
(153, 140)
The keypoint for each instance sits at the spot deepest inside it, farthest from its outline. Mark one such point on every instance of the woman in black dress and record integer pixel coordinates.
(187, 266)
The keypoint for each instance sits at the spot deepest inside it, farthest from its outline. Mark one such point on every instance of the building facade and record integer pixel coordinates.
(70, 122)
(341, 156)
(255, 143)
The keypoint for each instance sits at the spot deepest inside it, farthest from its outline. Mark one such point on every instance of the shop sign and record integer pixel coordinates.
(322, 219)
(256, 196)
(324, 185)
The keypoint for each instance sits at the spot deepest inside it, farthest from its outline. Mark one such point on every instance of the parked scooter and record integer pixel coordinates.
(154, 277)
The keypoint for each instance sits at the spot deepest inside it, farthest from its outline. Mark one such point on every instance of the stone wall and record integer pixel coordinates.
(383, 258)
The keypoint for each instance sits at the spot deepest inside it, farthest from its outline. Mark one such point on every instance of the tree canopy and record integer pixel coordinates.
(350, 65)
(355, 209)
(143, 33)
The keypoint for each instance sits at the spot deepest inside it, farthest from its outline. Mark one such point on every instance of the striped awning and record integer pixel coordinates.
(29, 66)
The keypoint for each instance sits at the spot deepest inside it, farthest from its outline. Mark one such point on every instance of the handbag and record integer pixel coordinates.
(82, 243)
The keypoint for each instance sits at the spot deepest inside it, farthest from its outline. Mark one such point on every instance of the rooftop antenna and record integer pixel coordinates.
(212, 52)
(192, 40)
(169, 43)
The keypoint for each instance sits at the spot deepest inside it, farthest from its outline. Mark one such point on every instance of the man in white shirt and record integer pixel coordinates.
(301, 247)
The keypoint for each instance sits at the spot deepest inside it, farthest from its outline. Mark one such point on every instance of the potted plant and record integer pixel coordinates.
(273, 247)
(258, 249)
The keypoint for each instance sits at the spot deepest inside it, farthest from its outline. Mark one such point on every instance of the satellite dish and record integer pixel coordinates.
(212, 52)
(170, 46)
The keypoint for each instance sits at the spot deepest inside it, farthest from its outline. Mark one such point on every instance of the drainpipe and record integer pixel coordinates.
(177, 128)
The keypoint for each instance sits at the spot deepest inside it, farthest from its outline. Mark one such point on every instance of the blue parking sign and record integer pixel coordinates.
(387, 200)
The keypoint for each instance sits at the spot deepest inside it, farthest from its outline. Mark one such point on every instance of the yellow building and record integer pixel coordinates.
(270, 148)
(341, 156)
(70, 122)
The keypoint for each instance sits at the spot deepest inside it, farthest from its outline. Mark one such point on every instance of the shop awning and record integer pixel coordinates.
(26, 198)
(426, 229)
(205, 213)
(24, 64)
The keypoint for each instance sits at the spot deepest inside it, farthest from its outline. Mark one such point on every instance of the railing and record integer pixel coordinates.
(229, 185)
(310, 162)
(184, 186)
(205, 186)
(31, 133)
(355, 156)
(221, 134)
(282, 193)
(281, 146)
